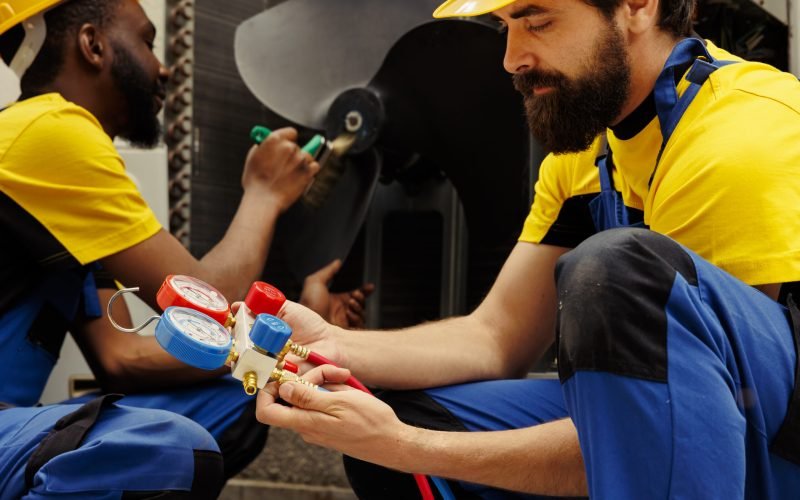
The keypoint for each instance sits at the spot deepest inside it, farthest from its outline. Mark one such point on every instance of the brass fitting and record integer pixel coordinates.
(250, 383)
(283, 376)
(230, 322)
(286, 349)
(295, 349)
(299, 351)
(233, 356)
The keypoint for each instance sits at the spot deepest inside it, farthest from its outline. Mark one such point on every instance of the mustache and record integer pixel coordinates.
(524, 83)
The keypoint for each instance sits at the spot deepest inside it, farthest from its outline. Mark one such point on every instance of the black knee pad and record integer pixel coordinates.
(612, 290)
(243, 441)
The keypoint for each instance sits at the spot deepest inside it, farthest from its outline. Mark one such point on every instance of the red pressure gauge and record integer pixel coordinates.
(185, 291)
(264, 298)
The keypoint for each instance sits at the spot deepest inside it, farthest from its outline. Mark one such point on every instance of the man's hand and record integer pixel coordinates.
(345, 419)
(309, 329)
(279, 168)
(341, 309)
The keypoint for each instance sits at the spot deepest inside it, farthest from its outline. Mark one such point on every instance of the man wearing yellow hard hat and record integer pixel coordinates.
(657, 256)
(74, 222)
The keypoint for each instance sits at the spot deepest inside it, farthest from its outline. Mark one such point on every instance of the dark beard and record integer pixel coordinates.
(143, 128)
(575, 112)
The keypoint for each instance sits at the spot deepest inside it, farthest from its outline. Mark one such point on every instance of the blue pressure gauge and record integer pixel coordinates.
(194, 338)
(269, 333)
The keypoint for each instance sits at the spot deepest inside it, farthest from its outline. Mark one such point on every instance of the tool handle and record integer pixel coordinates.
(260, 133)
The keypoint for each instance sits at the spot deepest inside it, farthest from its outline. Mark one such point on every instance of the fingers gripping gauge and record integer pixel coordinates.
(194, 338)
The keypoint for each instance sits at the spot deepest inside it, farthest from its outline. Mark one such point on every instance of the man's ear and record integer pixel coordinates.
(640, 15)
(93, 47)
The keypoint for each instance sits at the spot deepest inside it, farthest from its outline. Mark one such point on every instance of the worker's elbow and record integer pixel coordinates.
(111, 377)
(507, 350)
(114, 385)
(116, 372)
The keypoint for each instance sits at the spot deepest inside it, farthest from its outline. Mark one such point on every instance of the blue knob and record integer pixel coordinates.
(194, 338)
(270, 333)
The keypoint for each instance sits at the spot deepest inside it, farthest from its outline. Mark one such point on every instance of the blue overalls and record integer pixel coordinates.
(110, 446)
(689, 413)
(712, 421)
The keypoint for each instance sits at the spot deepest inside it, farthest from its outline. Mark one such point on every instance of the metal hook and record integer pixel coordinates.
(111, 317)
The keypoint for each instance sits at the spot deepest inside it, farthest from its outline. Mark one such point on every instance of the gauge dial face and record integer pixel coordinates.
(199, 293)
(202, 329)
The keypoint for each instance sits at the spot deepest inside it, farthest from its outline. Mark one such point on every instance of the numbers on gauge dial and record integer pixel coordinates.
(199, 293)
(200, 328)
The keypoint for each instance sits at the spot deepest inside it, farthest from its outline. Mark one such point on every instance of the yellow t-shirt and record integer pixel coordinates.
(727, 185)
(58, 165)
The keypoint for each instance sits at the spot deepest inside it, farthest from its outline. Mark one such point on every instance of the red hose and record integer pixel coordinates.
(353, 382)
(421, 479)
(291, 367)
(424, 487)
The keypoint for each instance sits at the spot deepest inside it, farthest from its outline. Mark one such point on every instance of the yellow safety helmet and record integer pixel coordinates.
(13, 12)
(467, 8)
(30, 14)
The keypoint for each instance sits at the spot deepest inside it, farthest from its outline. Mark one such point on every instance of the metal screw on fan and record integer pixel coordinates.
(353, 121)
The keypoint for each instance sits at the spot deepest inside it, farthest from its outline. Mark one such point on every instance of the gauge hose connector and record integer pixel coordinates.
(283, 376)
(294, 348)
(250, 383)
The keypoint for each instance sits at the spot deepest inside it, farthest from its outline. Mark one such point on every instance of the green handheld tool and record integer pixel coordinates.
(259, 134)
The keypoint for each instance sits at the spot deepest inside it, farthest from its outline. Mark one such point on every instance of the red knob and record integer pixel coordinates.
(185, 291)
(264, 298)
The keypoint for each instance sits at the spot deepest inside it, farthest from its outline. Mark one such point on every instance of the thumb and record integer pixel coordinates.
(302, 396)
(327, 273)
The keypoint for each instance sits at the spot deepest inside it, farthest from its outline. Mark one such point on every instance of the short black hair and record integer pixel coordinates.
(63, 22)
(675, 16)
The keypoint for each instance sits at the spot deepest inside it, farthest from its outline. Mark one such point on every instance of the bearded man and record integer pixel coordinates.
(74, 222)
(669, 215)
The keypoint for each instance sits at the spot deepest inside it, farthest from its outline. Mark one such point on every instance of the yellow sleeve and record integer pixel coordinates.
(64, 170)
(548, 198)
(563, 178)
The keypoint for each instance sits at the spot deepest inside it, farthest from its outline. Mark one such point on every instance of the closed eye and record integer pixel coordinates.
(539, 27)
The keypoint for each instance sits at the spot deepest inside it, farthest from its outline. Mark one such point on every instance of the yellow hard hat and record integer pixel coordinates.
(467, 8)
(13, 12)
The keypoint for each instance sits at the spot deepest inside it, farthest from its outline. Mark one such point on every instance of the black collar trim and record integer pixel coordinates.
(637, 120)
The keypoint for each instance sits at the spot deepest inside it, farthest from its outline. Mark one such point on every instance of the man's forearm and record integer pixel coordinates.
(502, 338)
(545, 459)
(238, 259)
(433, 354)
(141, 365)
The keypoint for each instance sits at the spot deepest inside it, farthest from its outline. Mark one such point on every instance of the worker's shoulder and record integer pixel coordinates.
(750, 112)
(762, 89)
(50, 119)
